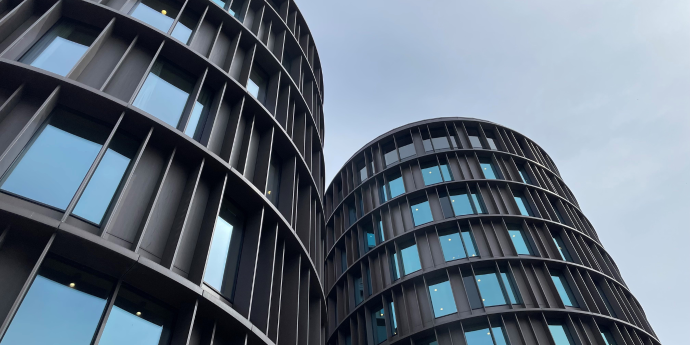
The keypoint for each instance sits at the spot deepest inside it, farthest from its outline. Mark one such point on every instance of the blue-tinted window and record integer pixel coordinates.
(137, 320)
(158, 13)
(257, 84)
(223, 255)
(395, 266)
(478, 202)
(499, 335)
(490, 289)
(488, 168)
(60, 49)
(185, 26)
(445, 171)
(197, 119)
(394, 322)
(165, 92)
(442, 300)
(410, 259)
(608, 337)
(468, 241)
(379, 227)
(383, 196)
(421, 213)
(452, 247)
(471, 289)
(431, 174)
(480, 336)
(378, 318)
(63, 306)
(54, 164)
(101, 189)
(510, 286)
(369, 237)
(602, 294)
(405, 147)
(395, 185)
(520, 242)
(560, 334)
(461, 203)
(562, 249)
(359, 289)
(446, 205)
(363, 173)
(564, 290)
(524, 175)
(522, 204)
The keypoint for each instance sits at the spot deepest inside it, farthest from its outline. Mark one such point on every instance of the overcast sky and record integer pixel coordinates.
(602, 86)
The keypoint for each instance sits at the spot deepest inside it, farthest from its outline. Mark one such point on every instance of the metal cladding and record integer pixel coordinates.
(461, 231)
(245, 138)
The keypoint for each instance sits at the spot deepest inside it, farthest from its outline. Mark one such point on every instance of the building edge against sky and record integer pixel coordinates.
(161, 173)
(461, 231)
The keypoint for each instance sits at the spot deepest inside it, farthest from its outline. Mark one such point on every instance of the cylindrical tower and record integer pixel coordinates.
(461, 231)
(161, 173)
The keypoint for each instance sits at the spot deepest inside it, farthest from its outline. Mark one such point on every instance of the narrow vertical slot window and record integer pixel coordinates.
(421, 213)
(510, 286)
(471, 289)
(442, 300)
(522, 204)
(426, 140)
(369, 237)
(490, 139)
(602, 294)
(488, 168)
(60, 49)
(158, 13)
(165, 92)
(608, 336)
(378, 319)
(395, 266)
(351, 213)
(383, 197)
(273, 183)
(410, 259)
(394, 322)
(564, 290)
(257, 84)
(560, 334)
(562, 249)
(469, 243)
(223, 257)
(558, 213)
(520, 241)
(445, 171)
(379, 227)
(370, 291)
(478, 202)
(197, 119)
(431, 173)
(362, 168)
(56, 161)
(524, 175)
(446, 205)
(359, 289)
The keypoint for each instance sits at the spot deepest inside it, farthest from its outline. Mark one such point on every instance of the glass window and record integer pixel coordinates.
(520, 242)
(343, 261)
(499, 335)
(487, 168)
(558, 213)
(426, 140)
(379, 226)
(490, 289)
(421, 213)
(451, 245)
(137, 320)
(185, 26)
(158, 13)
(453, 141)
(608, 337)
(382, 193)
(474, 138)
(359, 289)
(471, 289)
(490, 139)
(165, 92)
(522, 204)
(524, 175)
(378, 319)
(485, 336)
(439, 139)
(394, 322)
(223, 256)
(564, 291)
(395, 267)
(461, 203)
(468, 241)
(478, 202)
(510, 286)
(101, 189)
(197, 119)
(257, 84)
(431, 173)
(427, 341)
(445, 171)
(273, 183)
(390, 154)
(395, 185)
(442, 300)
(220, 3)
(362, 171)
(560, 334)
(60, 49)
(236, 10)
(405, 147)
(410, 259)
(446, 206)
(562, 249)
(63, 306)
(602, 294)
(54, 164)
(369, 237)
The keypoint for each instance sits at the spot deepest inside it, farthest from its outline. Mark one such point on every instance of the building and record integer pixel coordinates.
(162, 173)
(461, 231)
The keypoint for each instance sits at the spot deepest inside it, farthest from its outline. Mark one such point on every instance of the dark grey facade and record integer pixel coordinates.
(461, 231)
(161, 173)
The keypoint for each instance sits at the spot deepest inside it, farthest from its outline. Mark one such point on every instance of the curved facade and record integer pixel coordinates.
(461, 231)
(162, 173)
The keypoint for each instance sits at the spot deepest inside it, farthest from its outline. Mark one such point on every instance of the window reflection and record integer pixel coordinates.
(445, 171)
(485, 336)
(257, 84)
(185, 26)
(608, 337)
(165, 92)
(390, 155)
(405, 147)
(524, 175)
(490, 139)
(223, 256)
(410, 259)
(442, 300)
(431, 173)
(439, 139)
(63, 306)
(197, 119)
(474, 138)
(488, 168)
(60, 49)
(564, 291)
(369, 237)
(454, 246)
(520, 242)
(560, 334)
(562, 249)
(395, 185)
(421, 213)
(394, 322)
(497, 288)
(53, 166)
(158, 13)
(522, 204)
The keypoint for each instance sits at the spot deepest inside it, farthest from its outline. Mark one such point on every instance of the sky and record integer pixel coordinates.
(602, 86)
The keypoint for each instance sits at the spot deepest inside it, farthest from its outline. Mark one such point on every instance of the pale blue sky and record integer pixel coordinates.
(602, 86)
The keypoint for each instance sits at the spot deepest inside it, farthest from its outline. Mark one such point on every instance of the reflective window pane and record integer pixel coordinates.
(445, 171)
(519, 242)
(608, 337)
(510, 287)
(492, 143)
(524, 175)
(427, 145)
(395, 185)
(197, 119)
(474, 138)
(60, 49)
(223, 255)
(410, 259)
(442, 300)
(490, 289)
(446, 206)
(158, 13)
(439, 139)
(421, 213)
(432, 175)
(562, 249)
(137, 320)
(390, 155)
(558, 213)
(53, 166)
(63, 306)
(378, 319)
(499, 335)
(394, 322)
(405, 147)
(487, 168)
(471, 289)
(461, 203)
(522, 204)
(383, 196)
(395, 266)
(98, 195)
(369, 237)
(165, 92)
(479, 337)
(379, 226)
(257, 84)
(564, 290)
(560, 335)
(478, 202)
(451, 245)
(468, 241)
